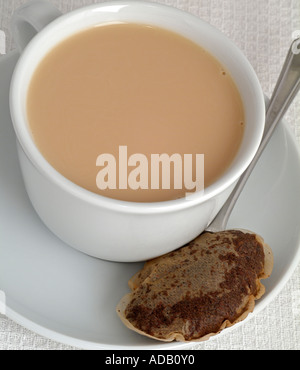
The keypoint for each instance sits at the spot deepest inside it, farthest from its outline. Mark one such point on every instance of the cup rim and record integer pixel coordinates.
(228, 178)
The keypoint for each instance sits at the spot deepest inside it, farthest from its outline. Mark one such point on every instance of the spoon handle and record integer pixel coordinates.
(287, 87)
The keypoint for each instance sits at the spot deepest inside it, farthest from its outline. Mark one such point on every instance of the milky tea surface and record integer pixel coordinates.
(138, 86)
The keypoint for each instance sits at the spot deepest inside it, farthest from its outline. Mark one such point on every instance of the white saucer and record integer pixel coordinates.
(71, 298)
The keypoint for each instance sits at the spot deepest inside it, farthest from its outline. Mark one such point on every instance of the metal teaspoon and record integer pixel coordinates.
(286, 89)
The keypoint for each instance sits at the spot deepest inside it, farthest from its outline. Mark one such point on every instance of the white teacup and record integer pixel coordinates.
(102, 227)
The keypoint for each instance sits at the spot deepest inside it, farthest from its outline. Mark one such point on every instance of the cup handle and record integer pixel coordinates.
(30, 19)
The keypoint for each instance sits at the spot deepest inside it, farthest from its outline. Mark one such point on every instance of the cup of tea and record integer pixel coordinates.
(134, 121)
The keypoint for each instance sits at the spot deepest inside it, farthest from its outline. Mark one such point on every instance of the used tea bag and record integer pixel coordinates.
(200, 289)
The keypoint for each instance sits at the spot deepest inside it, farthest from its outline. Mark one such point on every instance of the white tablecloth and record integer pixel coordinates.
(263, 30)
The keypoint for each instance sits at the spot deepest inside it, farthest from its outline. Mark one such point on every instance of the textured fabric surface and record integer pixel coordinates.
(263, 31)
